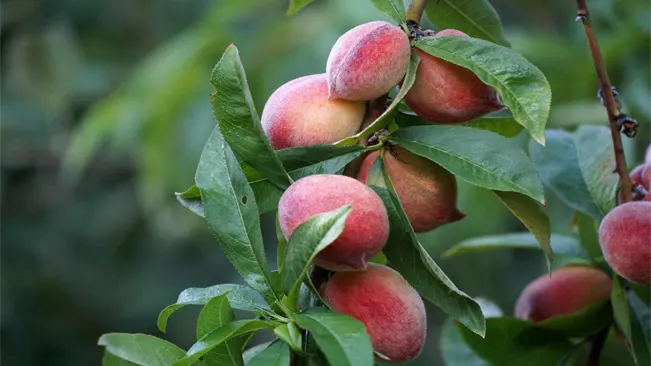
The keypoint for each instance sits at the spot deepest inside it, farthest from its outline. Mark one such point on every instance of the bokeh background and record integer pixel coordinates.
(104, 114)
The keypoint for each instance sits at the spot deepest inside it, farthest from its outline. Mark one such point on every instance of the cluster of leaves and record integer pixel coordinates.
(239, 177)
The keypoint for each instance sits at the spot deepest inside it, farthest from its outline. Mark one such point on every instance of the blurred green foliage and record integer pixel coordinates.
(105, 111)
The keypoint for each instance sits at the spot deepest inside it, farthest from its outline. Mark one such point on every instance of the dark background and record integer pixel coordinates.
(104, 114)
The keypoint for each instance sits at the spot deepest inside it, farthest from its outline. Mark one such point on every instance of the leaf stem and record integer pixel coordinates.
(625, 183)
(597, 346)
(415, 10)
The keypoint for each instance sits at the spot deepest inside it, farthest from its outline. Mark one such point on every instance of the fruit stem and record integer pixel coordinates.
(597, 346)
(415, 10)
(614, 114)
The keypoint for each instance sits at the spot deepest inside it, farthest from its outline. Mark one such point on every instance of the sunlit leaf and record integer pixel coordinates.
(141, 349)
(484, 159)
(239, 297)
(521, 86)
(232, 214)
(343, 339)
(238, 120)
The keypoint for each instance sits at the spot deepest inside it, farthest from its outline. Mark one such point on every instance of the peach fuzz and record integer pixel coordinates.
(568, 290)
(367, 225)
(427, 192)
(391, 310)
(448, 93)
(625, 238)
(367, 61)
(299, 113)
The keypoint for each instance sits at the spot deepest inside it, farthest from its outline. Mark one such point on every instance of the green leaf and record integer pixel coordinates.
(559, 170)
(239, 297)
(290, 334)
(232, 213)
(299, 162)
(307, 240)
(110, 359)
(477, 18)
(561, 244)
(632, 318)
(640, 328)
(594, 150)
(191, 199)
(531, 216)
(504, 126)
(343, 339)
(514, 342)
(621, 313)
(379, 258)
(238, 120)
(407, 256)
(275, 354)
(521, 86)
(294, 158)
(215, 314)
(589, 237)
(141, 349)
(253, 351)
(483, 158)
(387, 116)
(296, 5)
(394, 9)
(219, 336)
(454, 350)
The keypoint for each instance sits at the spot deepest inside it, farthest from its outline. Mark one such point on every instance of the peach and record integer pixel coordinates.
(367, 225)
(391, 310)
(299, 113)
(427, 192)
(367, 61)
(642, 175)
(568, 290)
(448, 93)
(625, 238)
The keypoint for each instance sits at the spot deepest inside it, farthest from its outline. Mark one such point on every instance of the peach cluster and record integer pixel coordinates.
(365, 64)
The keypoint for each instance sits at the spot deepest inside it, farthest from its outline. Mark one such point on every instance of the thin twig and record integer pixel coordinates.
(625, 183)
(415, 10)
(597, 346)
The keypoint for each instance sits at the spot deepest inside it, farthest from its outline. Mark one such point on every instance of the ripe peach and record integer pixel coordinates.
(448, 93)
(625, 238)
(367, 225)
(427, 192)
(367, 61)
(391, 310)
(568, 290)
(299, 113)
(642, 175)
